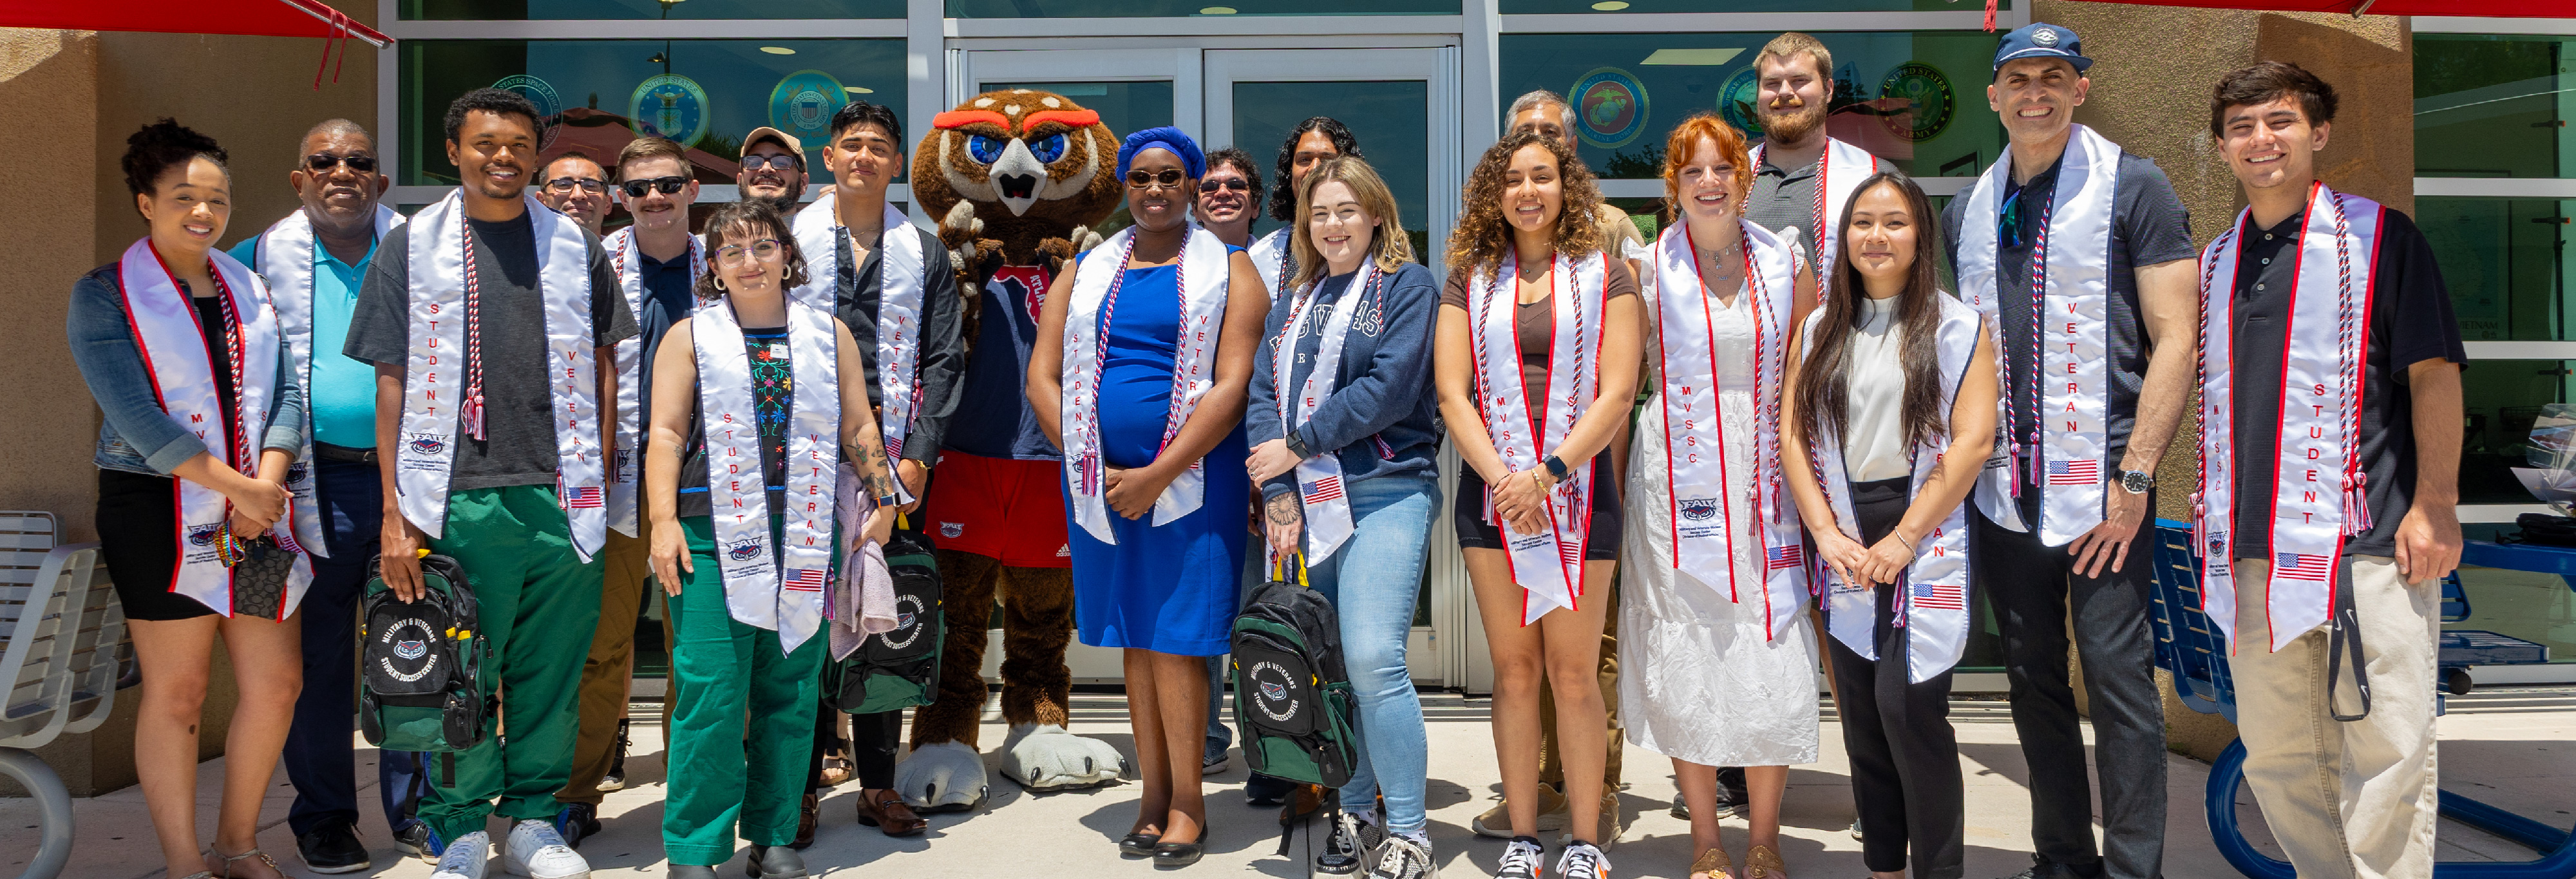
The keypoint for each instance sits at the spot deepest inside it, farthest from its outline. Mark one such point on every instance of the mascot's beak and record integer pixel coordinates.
(1016, 177)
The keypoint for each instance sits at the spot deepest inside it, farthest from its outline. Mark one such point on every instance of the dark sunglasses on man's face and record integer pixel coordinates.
(780, 161)
(668, 186)
(322, 163)
(1212, 187)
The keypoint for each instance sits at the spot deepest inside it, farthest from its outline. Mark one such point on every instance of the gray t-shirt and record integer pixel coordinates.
(1782, 198)
(519, 444)
(2148, 226)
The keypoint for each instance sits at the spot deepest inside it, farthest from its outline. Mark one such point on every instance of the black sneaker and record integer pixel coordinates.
(1583, 860)
(1521, 859)
(417, 840)
(1404, 857)
(577, 820)
(1265, 792)
(332, 848)
(1346, 851)
(615, 780)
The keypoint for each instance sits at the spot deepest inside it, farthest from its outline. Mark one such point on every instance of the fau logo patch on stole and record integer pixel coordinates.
(1698, 509)
(744, 551)
(2074, 472)
(426, 443)
(2301, 566)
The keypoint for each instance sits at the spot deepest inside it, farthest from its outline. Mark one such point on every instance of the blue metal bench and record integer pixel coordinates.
(2193, 650)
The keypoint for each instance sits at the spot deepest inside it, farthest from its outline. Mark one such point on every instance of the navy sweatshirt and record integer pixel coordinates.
(1383, 415)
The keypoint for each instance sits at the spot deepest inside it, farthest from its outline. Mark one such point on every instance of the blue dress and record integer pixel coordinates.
(1169, 589)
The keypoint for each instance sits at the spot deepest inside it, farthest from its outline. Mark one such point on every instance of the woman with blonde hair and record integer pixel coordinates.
(1719, 655)
(1347, 449)
(1537, 362)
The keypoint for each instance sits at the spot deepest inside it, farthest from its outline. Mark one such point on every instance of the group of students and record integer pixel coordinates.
(1772, 413)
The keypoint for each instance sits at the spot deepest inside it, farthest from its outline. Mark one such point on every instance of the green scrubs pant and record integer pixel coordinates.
(743, 727)
(539, 603)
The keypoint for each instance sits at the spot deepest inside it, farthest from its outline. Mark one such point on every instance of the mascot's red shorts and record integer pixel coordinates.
(1000, 508)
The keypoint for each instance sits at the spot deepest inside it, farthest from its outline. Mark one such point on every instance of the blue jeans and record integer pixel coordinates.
(1373, 581)
(319, 755)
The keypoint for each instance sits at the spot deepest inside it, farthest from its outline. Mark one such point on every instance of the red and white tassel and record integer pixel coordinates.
(2356, 504)
(474, 416)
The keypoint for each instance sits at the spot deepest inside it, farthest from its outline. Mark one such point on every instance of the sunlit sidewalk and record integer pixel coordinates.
(2512, 747)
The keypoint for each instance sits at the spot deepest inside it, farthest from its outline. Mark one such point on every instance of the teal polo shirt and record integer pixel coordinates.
(342, 395)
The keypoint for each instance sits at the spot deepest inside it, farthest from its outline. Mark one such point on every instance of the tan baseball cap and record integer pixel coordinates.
(784, 139)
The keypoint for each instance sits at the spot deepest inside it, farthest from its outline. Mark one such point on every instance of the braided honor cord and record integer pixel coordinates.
(2349, 339)
(2038, 348)
(473, 411)
(2209, 414)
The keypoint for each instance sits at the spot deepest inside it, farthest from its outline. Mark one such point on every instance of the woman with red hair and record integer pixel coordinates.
(1718, 654)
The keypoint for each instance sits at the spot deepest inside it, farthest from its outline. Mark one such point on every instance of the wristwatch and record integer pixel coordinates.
(891, 500)
(1556, 468)
(1297, 446)
(2136, 481)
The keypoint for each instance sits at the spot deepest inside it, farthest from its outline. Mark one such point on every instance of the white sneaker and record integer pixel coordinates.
(1405, 857)
(1583, 860)
(1521, 859)
(464, 858)
(538, 852)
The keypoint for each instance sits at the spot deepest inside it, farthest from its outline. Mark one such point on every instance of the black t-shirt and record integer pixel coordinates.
(2410, 322)
(519, 430)
(216, 332)
(2148, 226)
(940, 369)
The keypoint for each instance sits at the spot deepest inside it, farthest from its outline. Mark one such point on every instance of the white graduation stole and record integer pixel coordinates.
(2069, 301)
(1319, 479)
(624, 473)
(1840, 172)
(781, 590)
(434, 382)
(902, 284)
(1932, 601)
(1272, 258)
(2317, 491)
(1547, 565)
(164, 320)
(284, 259)
(1704, 530)
(1098, 277)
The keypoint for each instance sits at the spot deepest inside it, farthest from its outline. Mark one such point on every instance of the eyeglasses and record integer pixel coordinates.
(1211, 187)
(592, 185)
(668, 186)
(322, 163)
(764, 250)
(1168, 178)
(780, 161)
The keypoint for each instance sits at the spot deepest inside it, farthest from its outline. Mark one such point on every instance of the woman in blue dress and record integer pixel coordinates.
(1143, 357)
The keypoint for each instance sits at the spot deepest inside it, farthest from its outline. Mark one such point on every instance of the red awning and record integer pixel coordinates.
(2480, 8)
(254, 18)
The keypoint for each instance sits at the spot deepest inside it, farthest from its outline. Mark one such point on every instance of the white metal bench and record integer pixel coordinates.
(62, 651)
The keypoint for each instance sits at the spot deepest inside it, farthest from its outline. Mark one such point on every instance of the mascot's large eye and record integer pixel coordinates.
(1048, 150)
(984, 150)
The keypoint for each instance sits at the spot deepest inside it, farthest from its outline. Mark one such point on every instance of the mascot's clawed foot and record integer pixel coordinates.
(1044, 757)
(942, 777)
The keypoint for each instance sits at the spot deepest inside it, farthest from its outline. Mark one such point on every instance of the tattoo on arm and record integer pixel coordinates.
(874, 471)
(1284, 509)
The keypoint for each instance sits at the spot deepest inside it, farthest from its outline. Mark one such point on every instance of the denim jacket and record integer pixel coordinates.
(137, 436)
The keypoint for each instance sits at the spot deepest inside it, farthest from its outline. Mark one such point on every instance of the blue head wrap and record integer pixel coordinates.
(1173, 139)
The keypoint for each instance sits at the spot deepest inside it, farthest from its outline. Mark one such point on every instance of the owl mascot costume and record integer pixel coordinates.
(1016, 177)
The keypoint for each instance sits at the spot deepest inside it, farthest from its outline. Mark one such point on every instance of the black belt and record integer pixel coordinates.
(329, 452)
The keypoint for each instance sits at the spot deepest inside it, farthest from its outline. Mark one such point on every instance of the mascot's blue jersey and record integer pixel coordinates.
(985, 425)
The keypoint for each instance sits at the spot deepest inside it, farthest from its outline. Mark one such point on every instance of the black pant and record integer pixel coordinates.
(2030, 594)
(319, 756)
(876, 740)
(1904, 755)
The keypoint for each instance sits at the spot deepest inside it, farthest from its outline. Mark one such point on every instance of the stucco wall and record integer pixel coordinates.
(49, 121)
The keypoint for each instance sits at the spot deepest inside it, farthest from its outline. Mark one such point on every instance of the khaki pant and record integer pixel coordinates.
(2346, 800)
(603, 673)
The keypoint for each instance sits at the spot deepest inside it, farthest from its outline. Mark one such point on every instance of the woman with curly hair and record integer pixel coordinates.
(1537, 359)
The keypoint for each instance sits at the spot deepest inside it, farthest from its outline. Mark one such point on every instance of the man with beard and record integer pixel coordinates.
(2083, 253)
(577, 187)
(1802, 177)
(313, 261)
(493, 329)
(658, 263)
(773, 169)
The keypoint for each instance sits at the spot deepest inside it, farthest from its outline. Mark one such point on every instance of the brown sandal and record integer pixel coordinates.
(1763, 862)
(1712, 864)
(885, 810)
(809, 812)
(227, 861)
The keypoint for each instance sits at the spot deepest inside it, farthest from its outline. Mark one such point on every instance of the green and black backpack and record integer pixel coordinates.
(896, 669)
(1292, 698)
(421, 662)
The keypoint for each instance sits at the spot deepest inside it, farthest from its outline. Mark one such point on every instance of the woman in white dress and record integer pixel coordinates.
(1717, 653)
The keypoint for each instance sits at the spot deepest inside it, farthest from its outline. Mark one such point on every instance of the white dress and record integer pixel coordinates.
(1699, 677)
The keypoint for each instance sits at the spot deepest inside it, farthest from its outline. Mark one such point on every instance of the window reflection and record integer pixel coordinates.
(673, 10)
(1386, 117)
(2510, 96)
(2502, 398)
(1912, 98)
(2505, 261)
(1515, 7)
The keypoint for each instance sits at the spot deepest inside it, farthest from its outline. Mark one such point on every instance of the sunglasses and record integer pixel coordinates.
(590, 185)
(764, 250)
(322, 163)
(668, 186)
(780, 161)
(1237, 184)
(1168, 178)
